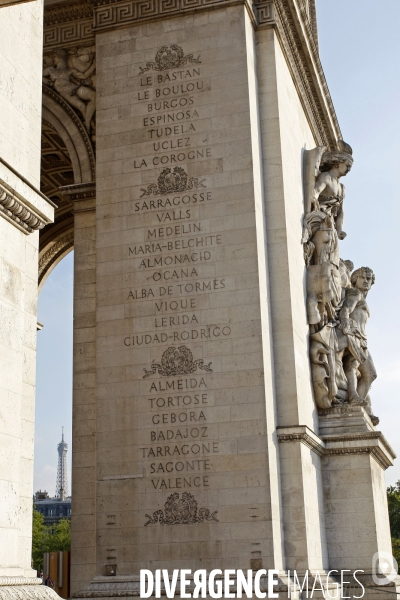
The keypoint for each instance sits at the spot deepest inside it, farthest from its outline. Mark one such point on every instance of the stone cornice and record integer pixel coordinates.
(303, 434)
(79, 191)
(68, 24)
(83, 196)
(20, 201)
(368, 442)
(67, 11)
(14, 210)
(20, 581)
(302, 56)
(110, 14)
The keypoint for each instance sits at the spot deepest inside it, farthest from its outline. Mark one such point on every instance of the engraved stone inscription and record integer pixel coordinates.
(181, 393)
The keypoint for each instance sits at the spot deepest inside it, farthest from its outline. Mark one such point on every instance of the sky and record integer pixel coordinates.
(54, 374)
(360, 54)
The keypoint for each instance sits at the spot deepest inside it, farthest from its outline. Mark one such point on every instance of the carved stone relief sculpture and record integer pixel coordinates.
(71, 73)
(341, 365)
(177, 361)
(169, 57)
(175, 181)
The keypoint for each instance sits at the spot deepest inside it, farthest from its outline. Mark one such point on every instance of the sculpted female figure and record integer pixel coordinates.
(328, 194)
(322, 229)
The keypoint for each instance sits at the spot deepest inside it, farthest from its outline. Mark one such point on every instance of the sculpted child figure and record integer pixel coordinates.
(352, 339)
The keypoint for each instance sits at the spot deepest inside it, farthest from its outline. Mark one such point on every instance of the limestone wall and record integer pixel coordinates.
(210, 306)
(285, 133)
(23, 211)
(21, 50)
(18, 294)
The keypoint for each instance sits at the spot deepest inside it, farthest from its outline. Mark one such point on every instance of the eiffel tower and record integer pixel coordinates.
(62, 473)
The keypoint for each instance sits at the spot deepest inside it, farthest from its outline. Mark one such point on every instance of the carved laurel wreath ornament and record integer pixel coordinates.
(169, 57)
(181, 512)
(175, 181)
(177, 361)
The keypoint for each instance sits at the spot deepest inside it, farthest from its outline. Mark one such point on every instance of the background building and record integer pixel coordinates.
(53, 509)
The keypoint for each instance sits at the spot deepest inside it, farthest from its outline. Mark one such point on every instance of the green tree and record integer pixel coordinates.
(393, 496)
(56, 538)
(38, 539)
(59, 537)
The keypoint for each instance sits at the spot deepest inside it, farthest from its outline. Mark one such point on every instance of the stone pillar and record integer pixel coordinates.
(286, 130)
(201, 334)
(23, 211)
(179, 217)
(83, 550)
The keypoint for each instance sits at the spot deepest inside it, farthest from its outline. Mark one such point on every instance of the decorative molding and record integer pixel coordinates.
(14, 209)
(82, 195)
(181, 511)
(177, 361)
(67, 11)
(54, 253)
(265, 13)
(27, 592)
(313, 22)
(175, 181)
(69, 34)
(68, 24)
(20, 581)
(368, 442)
(304, 63)
(107, 587)
(79, 191)
(375, 452)
(169, 57)
(308, 12)
(303, 434)
(109, 14)
(64, 217)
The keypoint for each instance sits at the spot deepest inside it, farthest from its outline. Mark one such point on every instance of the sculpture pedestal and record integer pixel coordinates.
(354, 461)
